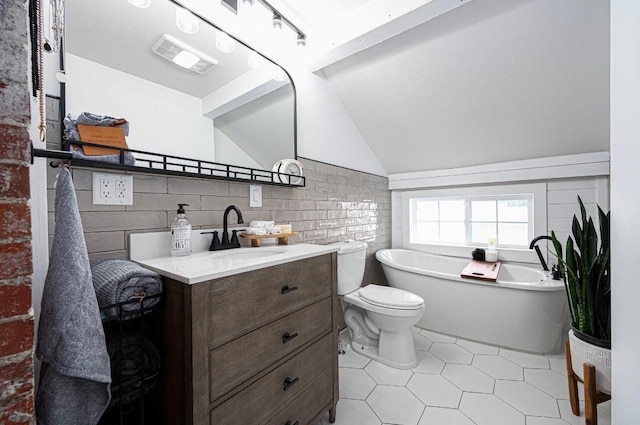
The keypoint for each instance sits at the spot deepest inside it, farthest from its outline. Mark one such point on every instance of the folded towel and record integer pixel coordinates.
(71, 133)
(135, 362)
(75, 372)
(117, 281)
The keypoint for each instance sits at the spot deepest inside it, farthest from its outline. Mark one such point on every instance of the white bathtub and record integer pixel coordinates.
(523, 310)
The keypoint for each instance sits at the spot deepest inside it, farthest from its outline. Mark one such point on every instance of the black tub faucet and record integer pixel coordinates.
(533, 245)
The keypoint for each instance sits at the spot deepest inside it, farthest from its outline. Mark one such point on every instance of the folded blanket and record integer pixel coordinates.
(135, 362)
(71, 133)
(117, 281)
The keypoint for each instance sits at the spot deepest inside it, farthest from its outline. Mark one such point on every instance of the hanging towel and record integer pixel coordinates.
(76, 373)
(117, 281)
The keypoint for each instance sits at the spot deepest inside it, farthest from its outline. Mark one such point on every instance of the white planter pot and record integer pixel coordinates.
(583, 352)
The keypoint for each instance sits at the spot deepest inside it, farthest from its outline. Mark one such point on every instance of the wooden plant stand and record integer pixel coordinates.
(591, 395)
(283, 238)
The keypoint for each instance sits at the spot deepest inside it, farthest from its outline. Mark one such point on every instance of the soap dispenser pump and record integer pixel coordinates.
(181, 234)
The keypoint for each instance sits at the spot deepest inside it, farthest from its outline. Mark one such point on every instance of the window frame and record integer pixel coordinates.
(537, 223)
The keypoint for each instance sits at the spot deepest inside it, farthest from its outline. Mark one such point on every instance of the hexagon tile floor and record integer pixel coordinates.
(457, 382)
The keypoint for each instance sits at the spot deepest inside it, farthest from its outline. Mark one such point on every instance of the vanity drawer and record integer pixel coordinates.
(255, 403)
(265, 346)
(304, 408)
(244, 302)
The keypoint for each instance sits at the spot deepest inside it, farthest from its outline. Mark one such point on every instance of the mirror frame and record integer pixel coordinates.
(195, 168)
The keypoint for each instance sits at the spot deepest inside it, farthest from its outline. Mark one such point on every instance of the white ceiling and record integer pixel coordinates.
(488, 82)
(429, 84)
(118, 35)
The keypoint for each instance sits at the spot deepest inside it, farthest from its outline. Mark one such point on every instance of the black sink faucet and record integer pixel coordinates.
(225, 231)
(533, 245)
(216, 244)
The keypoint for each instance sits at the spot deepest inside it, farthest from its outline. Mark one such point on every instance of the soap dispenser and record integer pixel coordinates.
(181, 234)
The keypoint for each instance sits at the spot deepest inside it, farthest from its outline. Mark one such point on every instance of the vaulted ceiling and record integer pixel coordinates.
(488, 82)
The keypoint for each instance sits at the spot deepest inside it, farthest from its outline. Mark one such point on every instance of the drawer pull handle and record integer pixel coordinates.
(288, 337)
(289, 382)
(286, 289)
(295, 423)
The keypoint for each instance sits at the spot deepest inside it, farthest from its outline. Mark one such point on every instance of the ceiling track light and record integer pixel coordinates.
(279, 20)
(302, 40)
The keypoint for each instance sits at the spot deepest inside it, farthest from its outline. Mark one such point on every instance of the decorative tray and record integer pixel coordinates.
(283, 238)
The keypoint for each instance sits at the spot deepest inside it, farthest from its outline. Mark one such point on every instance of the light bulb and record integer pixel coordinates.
(142, 4)
(186, 21)
(224, 42)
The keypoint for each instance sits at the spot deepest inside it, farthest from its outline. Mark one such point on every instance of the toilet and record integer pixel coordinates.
(379, 318)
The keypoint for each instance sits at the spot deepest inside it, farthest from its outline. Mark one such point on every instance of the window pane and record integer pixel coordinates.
(513, 234)
(452, 210)
(452, 232)
(514, 210)
(426, 210)
(483, 210)
(481, 232)
(425, 232)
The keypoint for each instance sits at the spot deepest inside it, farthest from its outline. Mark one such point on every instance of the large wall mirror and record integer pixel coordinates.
(232, 106)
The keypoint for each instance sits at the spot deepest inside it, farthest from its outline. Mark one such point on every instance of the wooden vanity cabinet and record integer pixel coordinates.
(254, 348)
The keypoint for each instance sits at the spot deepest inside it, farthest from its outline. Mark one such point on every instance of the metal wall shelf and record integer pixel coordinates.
(168, 165)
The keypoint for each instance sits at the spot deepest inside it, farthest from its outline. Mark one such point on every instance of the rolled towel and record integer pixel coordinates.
(261, 223)
(255, 231)
(116, 281)
(135, 361)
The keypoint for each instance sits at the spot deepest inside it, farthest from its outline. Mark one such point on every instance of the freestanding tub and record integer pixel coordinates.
(523, 310)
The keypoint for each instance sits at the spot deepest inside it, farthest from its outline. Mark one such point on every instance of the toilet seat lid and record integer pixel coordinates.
(386, 296)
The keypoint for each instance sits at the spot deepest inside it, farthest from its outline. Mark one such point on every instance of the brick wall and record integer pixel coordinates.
(16, 318)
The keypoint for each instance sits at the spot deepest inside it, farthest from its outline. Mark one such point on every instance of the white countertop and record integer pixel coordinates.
(203, 266)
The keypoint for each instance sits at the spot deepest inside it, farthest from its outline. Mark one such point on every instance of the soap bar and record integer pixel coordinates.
(284, 228)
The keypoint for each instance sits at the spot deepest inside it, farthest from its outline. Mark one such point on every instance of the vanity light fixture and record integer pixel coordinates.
(142, 4)
(183, 55)
(186, 21)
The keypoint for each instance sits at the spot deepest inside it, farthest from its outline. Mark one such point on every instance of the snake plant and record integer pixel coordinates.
(585, 269)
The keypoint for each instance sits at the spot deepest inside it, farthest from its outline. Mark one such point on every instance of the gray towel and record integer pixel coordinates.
(71, 133)
(117, 281)
(76, 373)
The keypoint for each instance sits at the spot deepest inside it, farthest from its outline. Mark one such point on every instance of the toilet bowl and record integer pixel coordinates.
(379, 318)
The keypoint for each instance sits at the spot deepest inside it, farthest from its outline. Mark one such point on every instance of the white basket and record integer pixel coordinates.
(583, 352)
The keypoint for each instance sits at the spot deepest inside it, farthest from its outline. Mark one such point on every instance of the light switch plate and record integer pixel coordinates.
(255, 195)
(112, 189)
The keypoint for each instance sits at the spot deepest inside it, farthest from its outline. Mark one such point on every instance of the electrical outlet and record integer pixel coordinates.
(106, 188)
(121, 189)
(112, 189)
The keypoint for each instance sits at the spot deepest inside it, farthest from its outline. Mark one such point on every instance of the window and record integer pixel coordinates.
(472, 220)
(453, 220)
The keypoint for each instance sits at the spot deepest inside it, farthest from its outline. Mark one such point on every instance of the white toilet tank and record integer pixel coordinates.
(351, 259)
